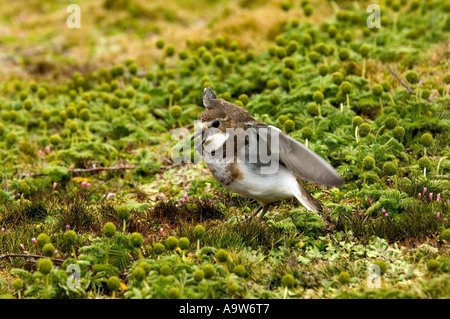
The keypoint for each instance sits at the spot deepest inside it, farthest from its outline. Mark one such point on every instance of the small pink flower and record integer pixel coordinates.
(438, 197)
(431, 196)
(438, 215)
(3, 229)
(425, 190)
(83, 183)
(419, 196)
(22, 246)
(386, 214)
(445, 220)
(33, 240)
(369, 199)
(67, 227)
(327, 210)
(185, 196)
(383, 211)
(181, 200)
(54, 185)
(43, 164)
(161, 231)
(47, 149)
(88, 184)
(56, 251)
(41, 153)
(420, 82)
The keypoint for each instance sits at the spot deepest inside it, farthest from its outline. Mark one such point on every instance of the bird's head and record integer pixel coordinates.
(213, 128)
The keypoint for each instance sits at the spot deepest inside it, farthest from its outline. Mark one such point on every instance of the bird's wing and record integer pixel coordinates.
(300, 160)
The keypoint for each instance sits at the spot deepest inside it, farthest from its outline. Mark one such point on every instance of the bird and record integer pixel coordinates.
(257, 160)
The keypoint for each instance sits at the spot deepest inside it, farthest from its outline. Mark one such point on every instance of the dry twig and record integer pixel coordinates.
(408, 89)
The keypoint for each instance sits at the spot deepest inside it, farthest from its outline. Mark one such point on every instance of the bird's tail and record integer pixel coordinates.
(308, 200)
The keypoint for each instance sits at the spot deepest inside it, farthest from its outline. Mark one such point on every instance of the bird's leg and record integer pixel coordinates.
(264, 211)
(255, 213)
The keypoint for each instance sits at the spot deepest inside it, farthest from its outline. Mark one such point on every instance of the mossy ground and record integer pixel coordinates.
(54, 153)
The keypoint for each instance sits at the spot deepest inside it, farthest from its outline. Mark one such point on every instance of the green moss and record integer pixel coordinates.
(426, 140)
(209, 271)
(175, 112)
(432, 265)
(288, 281)
(166, 270)
(307, 133)
(171, 243)
(158, 248)
(344, 278)
(240, 271)
(318, 97)
(391, 123)
(445, 234)
(48, 250)
(139, 274)
(184, 243)
(412, 77)
(390, 168)
(42, 239)
(113, 283)
(424, 162)
(399, 132)
(17, 284)
(109, 229)
(312, 109)
(364, 50)
(377, 90)
(289, 126)
(199, 275)
(70, 237)
(346, 87)
(174, 293)
(232, 288)
(344, 54)
(136, 239)
(222, 255)
(11, 138)
(364, 129)
(337, 78)
(368, 163)
(44, 266)
(199, 232)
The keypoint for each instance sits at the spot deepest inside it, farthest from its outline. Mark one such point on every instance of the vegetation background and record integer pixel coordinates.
(89, 189)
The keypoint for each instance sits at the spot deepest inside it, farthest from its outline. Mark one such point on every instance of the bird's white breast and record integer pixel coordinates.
(264, 188)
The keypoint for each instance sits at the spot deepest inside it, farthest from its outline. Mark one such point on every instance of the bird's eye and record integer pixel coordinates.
(216, 124)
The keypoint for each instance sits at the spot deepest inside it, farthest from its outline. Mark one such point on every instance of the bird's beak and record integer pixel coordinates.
(199, 132)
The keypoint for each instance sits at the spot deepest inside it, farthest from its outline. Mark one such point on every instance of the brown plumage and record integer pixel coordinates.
(297, 163)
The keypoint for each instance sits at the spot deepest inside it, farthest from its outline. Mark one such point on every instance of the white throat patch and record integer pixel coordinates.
(215, 141)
